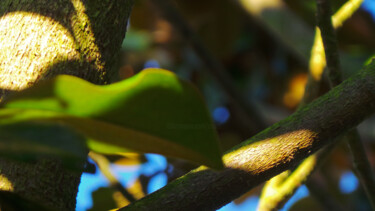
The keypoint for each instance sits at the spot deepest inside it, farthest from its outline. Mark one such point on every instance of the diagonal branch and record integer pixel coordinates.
(275, 194)
(276, 149)
(362, 166)
(104, 166)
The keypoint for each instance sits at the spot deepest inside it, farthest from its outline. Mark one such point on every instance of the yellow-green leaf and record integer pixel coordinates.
(153, 111)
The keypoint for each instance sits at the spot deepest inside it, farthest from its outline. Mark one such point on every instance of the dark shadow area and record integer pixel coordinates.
(81, 69)
(13, 202)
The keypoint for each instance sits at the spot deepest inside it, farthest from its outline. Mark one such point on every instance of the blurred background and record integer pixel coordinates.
(250, 61)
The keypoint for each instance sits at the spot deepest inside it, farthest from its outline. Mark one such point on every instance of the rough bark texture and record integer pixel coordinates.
(42, 38)
(276, 149)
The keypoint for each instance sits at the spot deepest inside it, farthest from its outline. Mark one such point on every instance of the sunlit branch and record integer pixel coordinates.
(317, 60)
(42, 38)
(284, 190)
(276, 149)
(360, 162)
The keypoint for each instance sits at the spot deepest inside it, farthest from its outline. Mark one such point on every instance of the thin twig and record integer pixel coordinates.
(317, 64)
(321, 195)
(103, 165)
(324, 21)
(272, 151)
(361, 165)
(247, 111)
(360, 162)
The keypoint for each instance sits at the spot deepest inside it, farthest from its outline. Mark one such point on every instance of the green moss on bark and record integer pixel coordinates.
(276, 149)
(42, 38)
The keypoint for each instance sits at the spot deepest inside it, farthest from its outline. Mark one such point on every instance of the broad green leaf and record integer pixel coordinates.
(31, 142)
(152, 112)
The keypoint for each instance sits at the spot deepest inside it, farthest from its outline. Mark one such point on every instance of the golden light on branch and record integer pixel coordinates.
(281, 187)
(317, 60)
(30, 42)
(296, 90)
(345, 12)
(84, 34)
(257, 7)
(6, 184)
(266, 159)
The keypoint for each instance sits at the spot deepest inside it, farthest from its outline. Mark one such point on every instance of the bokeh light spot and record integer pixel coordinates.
(152, 63)
(348, 182)
(221, 115)
(369, 6)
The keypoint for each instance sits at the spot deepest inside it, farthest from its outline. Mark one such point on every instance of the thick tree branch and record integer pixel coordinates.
(284, 189)
(276, 149)
(362, 166)
(42, 38)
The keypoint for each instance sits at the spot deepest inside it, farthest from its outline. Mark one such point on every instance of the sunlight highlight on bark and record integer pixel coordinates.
(31, 44)
(318, 59)
(28, 43)
(5, 184)
(257, 7)
(84, 35)
(294, 141)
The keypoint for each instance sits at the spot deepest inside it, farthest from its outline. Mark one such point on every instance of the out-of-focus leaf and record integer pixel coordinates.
(129, 159)
(137, 189)
(103, 199)
(136, 40)
(30, 142)
(284, 24)
(368, 61)
(11, 201)
(153, 112)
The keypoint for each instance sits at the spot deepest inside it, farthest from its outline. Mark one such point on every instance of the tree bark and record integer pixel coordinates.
(276, 149)
(42, 38)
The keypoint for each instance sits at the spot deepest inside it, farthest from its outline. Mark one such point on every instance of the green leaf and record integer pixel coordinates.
(31, 142)
(153, 112)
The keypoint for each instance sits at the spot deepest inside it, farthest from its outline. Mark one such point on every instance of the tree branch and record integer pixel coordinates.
(362, 166)
(276, 149)
(286, 188)
(244, 109)
(328, 35)
(42, 38)
(104, 165)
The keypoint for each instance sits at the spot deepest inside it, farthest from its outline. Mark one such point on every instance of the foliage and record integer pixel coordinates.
(135, 114)
(263, 50)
